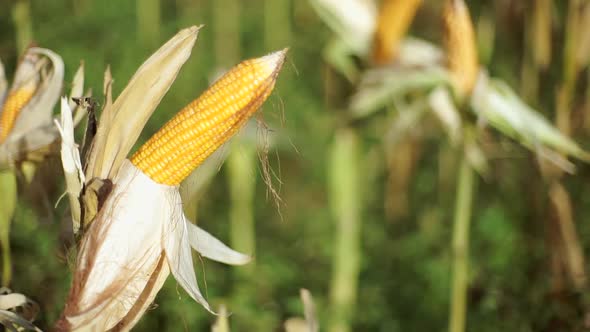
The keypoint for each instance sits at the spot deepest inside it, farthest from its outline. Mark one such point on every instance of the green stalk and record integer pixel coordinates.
(345, 200)
(21, 16)
(7, 208)
(277, 23)
(460, 248)
(241, 166)
(148, 22)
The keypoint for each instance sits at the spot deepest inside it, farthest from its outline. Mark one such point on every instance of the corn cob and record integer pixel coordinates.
(15, 102)
(460, 46)
(185, 141)
(395, 17)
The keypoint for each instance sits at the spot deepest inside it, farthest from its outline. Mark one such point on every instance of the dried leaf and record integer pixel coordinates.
(379, 87)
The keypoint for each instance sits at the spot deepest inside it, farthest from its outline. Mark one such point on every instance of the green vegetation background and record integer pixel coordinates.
(405, 264)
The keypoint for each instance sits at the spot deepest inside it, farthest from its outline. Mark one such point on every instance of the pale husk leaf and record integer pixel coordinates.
(210, 247)
(120, 251)
(70, 157)
(178, 254)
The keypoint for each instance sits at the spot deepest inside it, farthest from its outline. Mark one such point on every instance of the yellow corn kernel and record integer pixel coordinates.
(460, 46)
(15, 101)
(185, 141)
(395, 17)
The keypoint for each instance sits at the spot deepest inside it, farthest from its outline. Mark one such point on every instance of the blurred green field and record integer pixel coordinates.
(518, 271)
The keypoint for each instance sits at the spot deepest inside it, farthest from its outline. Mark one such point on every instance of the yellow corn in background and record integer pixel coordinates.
(185, 141)
(14, 103)
(460, 46)
(395, 17)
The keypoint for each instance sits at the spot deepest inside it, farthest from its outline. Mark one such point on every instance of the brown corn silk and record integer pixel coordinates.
(185, 141)
(15, 102)
(395, 17)
(460, 46)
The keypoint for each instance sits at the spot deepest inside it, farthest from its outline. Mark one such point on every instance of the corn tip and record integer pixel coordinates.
(274, 61)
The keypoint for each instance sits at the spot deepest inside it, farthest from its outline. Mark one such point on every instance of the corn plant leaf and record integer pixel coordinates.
(416, 52)
(442, 105)
(121, 123)
(495, 102)
(338, 55)
(379, 87)
(210, 247)
(405, 122)
(353, 21)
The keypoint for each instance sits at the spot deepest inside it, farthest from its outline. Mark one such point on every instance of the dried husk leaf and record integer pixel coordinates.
(33, 131)
(122, 122)
(70, 157)
(39, 111)
(77, 91)
(9, 318)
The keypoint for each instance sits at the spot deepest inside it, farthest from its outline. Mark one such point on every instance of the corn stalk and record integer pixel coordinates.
(345, 199)
(7, 208)
(461, 225)
(21, 15)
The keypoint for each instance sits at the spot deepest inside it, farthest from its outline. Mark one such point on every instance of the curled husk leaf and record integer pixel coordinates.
(33, 127)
